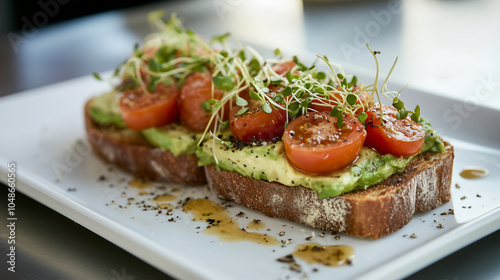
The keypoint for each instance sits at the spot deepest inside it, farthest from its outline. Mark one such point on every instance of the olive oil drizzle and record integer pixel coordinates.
(140, 183)
(332, 255)
(473, 173)
(220, 224)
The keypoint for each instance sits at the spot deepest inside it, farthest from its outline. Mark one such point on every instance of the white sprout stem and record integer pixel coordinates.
(337, 80)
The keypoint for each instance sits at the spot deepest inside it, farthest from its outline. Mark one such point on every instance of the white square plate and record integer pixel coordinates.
(42, 131)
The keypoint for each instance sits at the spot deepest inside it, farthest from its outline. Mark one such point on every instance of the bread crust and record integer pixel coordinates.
(130, 151)
(376, 212)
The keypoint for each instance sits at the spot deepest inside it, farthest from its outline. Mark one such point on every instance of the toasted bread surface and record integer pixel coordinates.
(130, 151)
(376, 212)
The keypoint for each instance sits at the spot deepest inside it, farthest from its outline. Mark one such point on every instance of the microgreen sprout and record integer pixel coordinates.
(397, 103)
(97, 76)
(173, 53)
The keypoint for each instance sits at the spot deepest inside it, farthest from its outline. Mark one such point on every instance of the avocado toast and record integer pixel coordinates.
(289, 140)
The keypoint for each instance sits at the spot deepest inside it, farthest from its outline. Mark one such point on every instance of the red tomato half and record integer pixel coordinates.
(402, 137)
(197, 89)
(283, 68)
(314, 144)
(256, 123)
(142, 110)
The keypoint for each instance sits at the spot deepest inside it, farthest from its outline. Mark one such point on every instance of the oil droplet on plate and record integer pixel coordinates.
(160, 201)
(164, 197)
(332, 255)
(256, 224)
(220, 224)
(165, 206)
(140, 183)
(473, 172)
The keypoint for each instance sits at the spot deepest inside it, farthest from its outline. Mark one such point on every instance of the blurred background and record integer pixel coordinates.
(449, 47)
(12, 12)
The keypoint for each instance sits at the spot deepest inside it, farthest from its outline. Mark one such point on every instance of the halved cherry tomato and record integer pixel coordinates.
(283, 68)
(314, 144)
(400, 137)
(142, 110)
(197, 89)
(255, 123)
(327, 104)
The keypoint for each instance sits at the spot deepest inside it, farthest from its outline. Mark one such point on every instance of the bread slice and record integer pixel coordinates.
(130, 151)
(378, 211)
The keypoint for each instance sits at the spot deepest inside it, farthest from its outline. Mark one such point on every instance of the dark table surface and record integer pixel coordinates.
(444, 46)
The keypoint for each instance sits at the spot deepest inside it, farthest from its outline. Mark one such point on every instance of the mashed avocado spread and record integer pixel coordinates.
(267, 161)
(104, 110)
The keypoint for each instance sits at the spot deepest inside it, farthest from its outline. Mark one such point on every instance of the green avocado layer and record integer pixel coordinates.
(104, 110)
(268, 162)
(174, 138)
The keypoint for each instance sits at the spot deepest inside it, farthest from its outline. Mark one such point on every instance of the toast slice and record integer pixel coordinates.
(130, 151)
(376, 212)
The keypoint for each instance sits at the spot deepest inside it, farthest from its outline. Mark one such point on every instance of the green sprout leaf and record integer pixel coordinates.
(289, 77)
(254, 66)
(242, 55)
(275, 80)
(321, 76)
(398, 103)
(300, 66)
(240, 101)
(242, 111)
(224, 124)
(225, 83)
(351, 99)
(336, 112)
(205, 105)
(266, 108)
(277, 52)
(417, 110)
(97, 76)
(154, 65)
(279, 98)
(319, 90)
(354, 81)
(153, 83)
(401, 114)
(415, 118)
(416, 115)
(293, 108)
(343, 80)
(136, 49)
(254, 95)
(362, 116)
(221, 38)
(287, 91)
